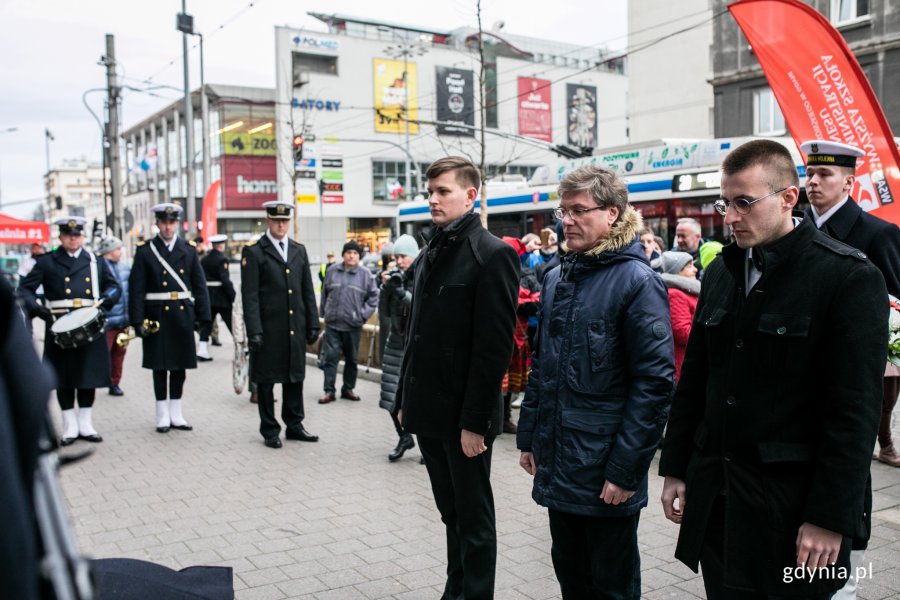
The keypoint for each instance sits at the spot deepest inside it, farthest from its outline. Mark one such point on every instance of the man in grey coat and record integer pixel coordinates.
(349, 297)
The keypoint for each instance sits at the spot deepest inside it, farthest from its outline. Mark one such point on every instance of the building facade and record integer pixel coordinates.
(744, 103)
(75, 188)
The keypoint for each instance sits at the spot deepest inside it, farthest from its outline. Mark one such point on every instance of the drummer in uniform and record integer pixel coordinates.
(281, 318)
(167, 285)
(73, 278)
(221, 290)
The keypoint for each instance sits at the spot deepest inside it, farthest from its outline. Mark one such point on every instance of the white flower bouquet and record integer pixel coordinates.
(893, 349)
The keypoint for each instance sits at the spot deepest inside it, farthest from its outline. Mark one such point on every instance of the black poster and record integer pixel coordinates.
(581, 115)
(455, 101)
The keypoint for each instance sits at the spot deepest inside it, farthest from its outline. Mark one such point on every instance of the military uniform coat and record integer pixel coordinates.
(215, 267)
(877, 238)
(280, 305)
(172, 348)
(65, 278)
(778, 406)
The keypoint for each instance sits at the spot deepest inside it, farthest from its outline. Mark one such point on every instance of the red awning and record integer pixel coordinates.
(17, 231)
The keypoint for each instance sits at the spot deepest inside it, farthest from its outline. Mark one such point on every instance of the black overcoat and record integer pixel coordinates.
(778, 405)
(215, 267)
(172, 348)
(877, 238)
(65, 278)
(460, 333)
(279, 304)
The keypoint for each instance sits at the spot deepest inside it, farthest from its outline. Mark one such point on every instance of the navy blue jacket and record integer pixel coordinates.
(117, 317)
(602, 376)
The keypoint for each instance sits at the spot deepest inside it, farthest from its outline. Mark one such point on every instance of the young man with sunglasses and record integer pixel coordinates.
(774, 419)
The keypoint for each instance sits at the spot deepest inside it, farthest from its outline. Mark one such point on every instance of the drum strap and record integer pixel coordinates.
(168, 267)
(95, 280)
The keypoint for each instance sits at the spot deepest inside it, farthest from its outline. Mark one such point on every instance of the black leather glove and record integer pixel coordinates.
(140, 331)
(312, 337)
(43, 313)
(255, 342)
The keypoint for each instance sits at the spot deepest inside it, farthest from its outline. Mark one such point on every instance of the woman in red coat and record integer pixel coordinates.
(680, 277)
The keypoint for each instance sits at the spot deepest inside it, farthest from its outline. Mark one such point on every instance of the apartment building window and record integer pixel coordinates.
(388, 177)
(843, 11)
(767, 117)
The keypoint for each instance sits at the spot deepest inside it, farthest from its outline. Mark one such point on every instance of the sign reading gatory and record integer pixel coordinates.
(236, 143)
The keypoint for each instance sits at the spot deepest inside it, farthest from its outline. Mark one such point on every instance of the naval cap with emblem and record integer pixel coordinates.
(71, 225)
(276, 209)
(831, 154)
(218, 239)
(167, 211)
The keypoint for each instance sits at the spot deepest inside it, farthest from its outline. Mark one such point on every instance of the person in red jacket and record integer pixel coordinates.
(680, 276)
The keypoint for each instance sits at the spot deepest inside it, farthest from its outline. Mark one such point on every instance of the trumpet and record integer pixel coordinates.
(123, 339)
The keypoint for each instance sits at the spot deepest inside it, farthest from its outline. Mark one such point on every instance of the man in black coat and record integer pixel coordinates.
(774, 418)
(221, 290)
(281, 317)
(460, 340)
(73, 278)
(167, 285)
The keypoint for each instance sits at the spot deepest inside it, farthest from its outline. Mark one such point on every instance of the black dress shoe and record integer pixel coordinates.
(204, 358)
(328, 397)
(115, 390)
(349, 395)
(272, 442)
(93, 437)
(162, 429)
(216, 343)
(185, 427)
(406, 443)
(301, 435)
(67, 441)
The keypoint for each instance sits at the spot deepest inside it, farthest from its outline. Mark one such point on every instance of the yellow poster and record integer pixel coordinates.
(395, 88)
(237, 143)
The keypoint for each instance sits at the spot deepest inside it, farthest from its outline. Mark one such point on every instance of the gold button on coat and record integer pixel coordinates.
(292, 332)
(165, 283)
(290, 292)
(87, 279)
(66, 279)
(166, 307)
(290, 311)
(88, 292)
(287, 270)
(68, 291)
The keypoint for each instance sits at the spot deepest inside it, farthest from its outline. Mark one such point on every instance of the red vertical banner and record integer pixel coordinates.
(824, 93)
(209, 214)
(535, 115)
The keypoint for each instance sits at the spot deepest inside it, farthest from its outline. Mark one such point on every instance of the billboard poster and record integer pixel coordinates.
(535, 109)
(581, 115)
(455, 101)
(248, 181)
(824, 94)
(394, 87)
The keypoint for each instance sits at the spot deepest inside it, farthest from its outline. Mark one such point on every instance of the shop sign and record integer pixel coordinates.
(316, 43)
(248, 181)
(317, 104)
(237, 143)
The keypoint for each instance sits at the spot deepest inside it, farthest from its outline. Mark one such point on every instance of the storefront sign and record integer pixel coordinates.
(315, 103)
(237, 143)
(316, 43)
(248, 181)
(455, 101)
(394, 89)
(535, 116)
(581, 115)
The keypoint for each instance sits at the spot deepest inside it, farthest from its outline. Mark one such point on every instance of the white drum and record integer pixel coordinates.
(78, 328)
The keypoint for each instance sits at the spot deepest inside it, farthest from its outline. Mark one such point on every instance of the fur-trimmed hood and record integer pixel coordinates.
(622, 233)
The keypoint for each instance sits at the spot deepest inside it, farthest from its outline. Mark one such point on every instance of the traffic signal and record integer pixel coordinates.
(298, 148)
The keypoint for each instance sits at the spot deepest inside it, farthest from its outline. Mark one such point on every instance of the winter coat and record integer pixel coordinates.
(601, 377)
(117, 317)
(778, 406)
(349, 297)
(396, 300)
(460, 333)
(683, 294)
(279, 305)
(218, 280)
(65, 278)
(173, 346)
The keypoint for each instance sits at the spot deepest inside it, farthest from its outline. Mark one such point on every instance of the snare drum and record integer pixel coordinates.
(78, 328)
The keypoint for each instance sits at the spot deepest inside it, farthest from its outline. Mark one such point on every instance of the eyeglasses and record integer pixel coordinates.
(741, 205)
(576, 213)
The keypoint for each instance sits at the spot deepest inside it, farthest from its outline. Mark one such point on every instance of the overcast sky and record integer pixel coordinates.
(51, 48)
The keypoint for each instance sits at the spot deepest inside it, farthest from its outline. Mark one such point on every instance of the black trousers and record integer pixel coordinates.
(712, 563)
(462, 492)
(291, 407)
(66, 398)
(223, 312)
(337, 343)
(175, 386)
(596, 557)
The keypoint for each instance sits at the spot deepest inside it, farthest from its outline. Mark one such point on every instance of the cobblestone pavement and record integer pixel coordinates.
(335, 519)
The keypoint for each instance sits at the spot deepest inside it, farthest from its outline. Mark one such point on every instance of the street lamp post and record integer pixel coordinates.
(7, 130)
(406, 48)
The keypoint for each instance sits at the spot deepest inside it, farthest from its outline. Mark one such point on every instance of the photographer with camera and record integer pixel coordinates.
(396, 299)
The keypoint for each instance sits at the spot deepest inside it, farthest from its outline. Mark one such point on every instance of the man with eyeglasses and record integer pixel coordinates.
(774, 419)
(598, 393)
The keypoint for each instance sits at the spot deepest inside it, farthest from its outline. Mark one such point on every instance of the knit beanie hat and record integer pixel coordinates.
(673, 261)
(406, 245)
(352, 245)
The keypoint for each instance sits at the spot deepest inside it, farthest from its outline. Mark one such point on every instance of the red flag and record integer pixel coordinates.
(823, 93)
(209, 214)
